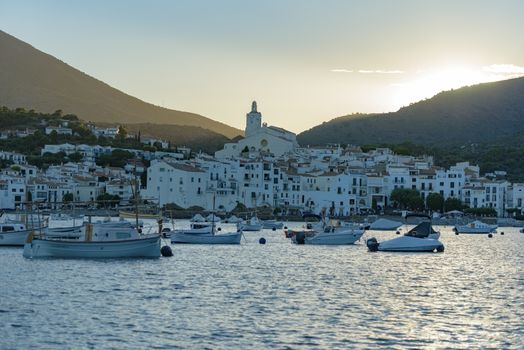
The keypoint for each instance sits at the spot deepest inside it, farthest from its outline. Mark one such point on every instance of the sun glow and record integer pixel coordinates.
(427, 83)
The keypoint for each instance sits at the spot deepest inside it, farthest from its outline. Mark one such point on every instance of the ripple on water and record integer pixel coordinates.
(272, 296)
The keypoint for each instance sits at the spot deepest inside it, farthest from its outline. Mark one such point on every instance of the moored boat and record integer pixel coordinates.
(14, 233)
(252, 224)
(476, 227)
(416, 240)
(99, 243)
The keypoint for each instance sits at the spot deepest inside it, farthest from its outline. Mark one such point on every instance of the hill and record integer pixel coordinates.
(475, 114)
(32, 79)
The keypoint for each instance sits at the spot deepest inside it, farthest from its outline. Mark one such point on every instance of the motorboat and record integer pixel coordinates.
(252, 224)
(383, 224)
(325, 232)
(476, 227)
(415, 240)
(233, 220)
(329, 236)
(100, 241)
(198, 218)
(272, 224)
(14, 233)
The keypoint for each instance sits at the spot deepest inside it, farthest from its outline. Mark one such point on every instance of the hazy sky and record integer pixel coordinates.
(304, 62)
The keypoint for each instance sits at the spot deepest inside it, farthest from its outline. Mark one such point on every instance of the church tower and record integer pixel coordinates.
(253, 120)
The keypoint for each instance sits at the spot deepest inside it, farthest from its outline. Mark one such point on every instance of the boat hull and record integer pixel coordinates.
(250, 227)
(411, 244)
(148, 247)
(335, 238)
(14, 238)
(229, 238)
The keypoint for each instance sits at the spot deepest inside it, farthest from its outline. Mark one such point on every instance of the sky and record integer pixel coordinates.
(304, 62)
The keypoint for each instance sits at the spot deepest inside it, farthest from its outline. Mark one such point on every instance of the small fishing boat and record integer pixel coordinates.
(204, 234)
(415, 240)
(476, 227)
(74, 232)
(101, 241)
(252, 224)
(196, 228)
(14, 233)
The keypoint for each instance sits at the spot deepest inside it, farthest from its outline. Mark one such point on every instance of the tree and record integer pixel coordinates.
(67, 197)
(452, 204)
(435, 201)
(76, 157)
(122, 133)
(407, 198)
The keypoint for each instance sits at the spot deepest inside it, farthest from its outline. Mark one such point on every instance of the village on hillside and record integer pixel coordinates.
(266, 168)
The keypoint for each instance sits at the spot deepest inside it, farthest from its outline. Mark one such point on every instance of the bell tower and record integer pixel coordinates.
(253, 120)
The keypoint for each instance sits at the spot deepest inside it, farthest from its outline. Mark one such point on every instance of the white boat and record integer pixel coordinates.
(272, 224)
(476, 227)
(252, 224)
(324, 232)
(416, 240)
(329, 236)
(99, 243)
(233, 220)
(385, 224)
(198, 218)
(14, 233)
(196, 228)
(207, 238)
(204, 234)
(64, 232)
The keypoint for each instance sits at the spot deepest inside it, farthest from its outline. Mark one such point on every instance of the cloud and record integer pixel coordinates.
(368, 71)
(380, 71)
(509, 69)
(341, 71)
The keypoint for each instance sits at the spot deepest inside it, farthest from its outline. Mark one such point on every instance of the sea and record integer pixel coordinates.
(272, 296)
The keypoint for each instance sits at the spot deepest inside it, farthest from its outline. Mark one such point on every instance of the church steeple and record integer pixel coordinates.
(253, 120)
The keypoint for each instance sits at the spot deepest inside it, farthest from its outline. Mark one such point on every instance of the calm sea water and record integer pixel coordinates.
(277, 295)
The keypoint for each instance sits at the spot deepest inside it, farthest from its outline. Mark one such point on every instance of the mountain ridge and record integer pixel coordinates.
(478, 113)
(33, 79)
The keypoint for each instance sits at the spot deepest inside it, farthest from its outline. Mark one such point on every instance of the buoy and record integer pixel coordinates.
(398, 232)
(502, 233)
(490, 235)
(166, 251)
(219, 229)
(285, 227)
(274, 229)
(262, 240)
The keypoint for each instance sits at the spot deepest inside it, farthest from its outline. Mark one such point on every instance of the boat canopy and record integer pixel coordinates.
(422, 230)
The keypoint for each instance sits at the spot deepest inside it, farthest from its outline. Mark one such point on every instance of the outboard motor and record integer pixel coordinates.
(372, 244)
(300, 237)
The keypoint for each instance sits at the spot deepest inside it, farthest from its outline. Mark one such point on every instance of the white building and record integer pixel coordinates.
(259, 138)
